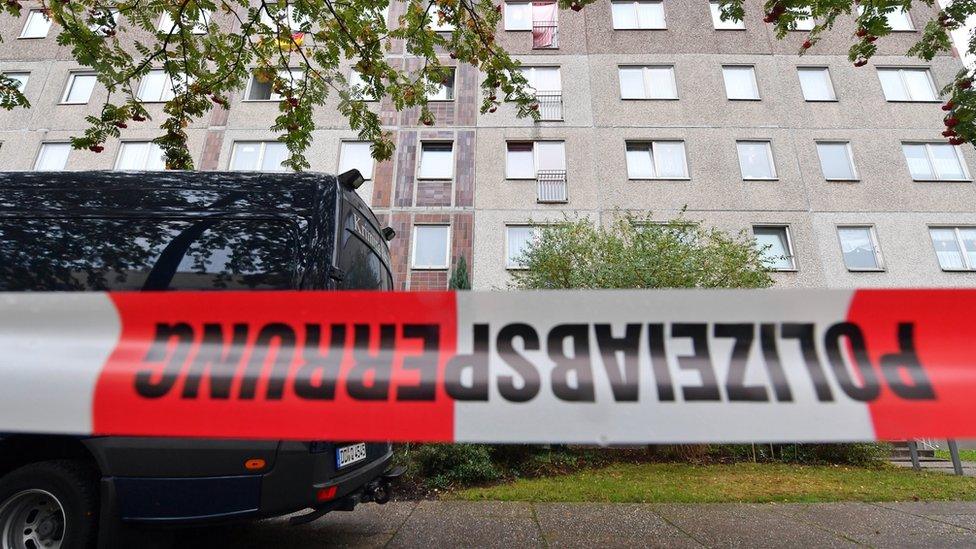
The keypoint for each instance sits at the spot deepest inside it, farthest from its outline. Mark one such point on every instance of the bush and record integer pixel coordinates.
(444, 465)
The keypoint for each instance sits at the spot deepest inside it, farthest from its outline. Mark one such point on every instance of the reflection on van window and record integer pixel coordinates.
(361, 267)
(145, 254)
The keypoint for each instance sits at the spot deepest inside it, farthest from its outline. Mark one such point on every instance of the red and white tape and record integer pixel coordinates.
(544, 367)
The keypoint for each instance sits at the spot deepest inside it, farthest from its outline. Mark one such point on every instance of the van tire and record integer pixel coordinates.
(70, 484)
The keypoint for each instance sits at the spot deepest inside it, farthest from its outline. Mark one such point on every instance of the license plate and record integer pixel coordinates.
(347, 455)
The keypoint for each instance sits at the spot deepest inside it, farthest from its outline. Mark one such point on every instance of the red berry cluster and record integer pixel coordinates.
(774, 14)
(952, 120)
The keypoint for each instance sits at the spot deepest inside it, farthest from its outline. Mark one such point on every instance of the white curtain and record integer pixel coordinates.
(669, 158)
(356, 155)
(947, 248)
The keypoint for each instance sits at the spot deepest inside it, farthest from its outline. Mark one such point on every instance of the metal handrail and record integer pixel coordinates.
(551, 186)
(545, 35)
(550, 104)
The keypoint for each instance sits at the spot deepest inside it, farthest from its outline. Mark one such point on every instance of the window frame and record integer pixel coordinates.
(453, 89)
(199, 28)
(366, 93)
(855, 176)
(755, 82)
(969, 266)
(71, 81)
(528, 4)
(167, 81)
(261, 155)
(654, 159)
(40, 151)
(769, 156)
(420, 160)
(830, 82)
(535, 157)
(645, 71)
(967, 177)
(875, 243)
(636, 3)
(901, 77)
(794, 264)
(509, 266)
(271, 98)
(27, 22)
(413, 248)
(366, 177)
(717, 19)
(21, 76)
(122, 146)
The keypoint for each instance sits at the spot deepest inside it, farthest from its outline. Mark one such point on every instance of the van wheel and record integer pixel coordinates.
(48, 505)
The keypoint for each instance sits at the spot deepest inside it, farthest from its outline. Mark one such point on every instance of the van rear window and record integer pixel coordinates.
(85, 254)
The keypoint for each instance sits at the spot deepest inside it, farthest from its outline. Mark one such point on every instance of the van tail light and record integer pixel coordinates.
(325, 494)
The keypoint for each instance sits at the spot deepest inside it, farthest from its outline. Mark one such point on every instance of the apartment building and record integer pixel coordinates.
(647, 106)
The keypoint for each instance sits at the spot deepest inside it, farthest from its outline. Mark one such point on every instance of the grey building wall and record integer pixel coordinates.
(479, 201)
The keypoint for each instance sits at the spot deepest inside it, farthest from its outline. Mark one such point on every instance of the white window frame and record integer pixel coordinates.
(928, 155)
(355, 80)
(646, 80)
(636, 6)
(830, 83)
(40, 152)
(535, 157)
(99, 30)
(31, 15)
(447, 251)
(789, 245)
(509, 264)
(200, 27)
(718, 24)
(755, 83)
(167, 92)
(21, 76)
(908, 17)
(124, 144)
(293, 24)
(522, 5)
(372, 165)
(968, 265)
(904, 84)
(274, 97)
(72, 76)
(850, 160)
(264, 146)
(654, 157)
(875, 244)
(420, 160)
(769, 155)
(441, 86)
(529, 71)
(804, 24)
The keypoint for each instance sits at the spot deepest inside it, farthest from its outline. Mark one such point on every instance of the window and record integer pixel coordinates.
(436, 23)
(907, 84)
(723, 25)
(955, 247)
(934, 162)
(79, 89)
(53, 157)
(859, 246)
(20, 77)
(168, 26)
(804, 24)
(356, 155)
(543, 79)
(836, 161)
(756, 159)
(518, 16)
(263, 156)
(656, 160)
(359, 89)
(445, 90)
(436, 161)
(157, 86)
(740, 82)
(815, 83)
(37, 25)
(147, 254)
(431, 246)
(775, 246)
(275, 16)
(525, 159)
(518, 238)
(140, 155)
(261, 87)
(642, 14)
(898, 20)
(655, 82)
(104, 21)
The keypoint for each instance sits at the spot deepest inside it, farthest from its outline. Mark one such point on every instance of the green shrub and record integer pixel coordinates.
(444, 465)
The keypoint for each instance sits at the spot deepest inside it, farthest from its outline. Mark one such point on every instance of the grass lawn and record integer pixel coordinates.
(741, 482)
(964, 455)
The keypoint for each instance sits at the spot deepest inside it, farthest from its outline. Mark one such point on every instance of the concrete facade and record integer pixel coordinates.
(477, 201)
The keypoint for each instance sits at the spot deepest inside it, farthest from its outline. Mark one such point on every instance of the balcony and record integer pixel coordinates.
(545, 35)
(550, 105)
(552, 186)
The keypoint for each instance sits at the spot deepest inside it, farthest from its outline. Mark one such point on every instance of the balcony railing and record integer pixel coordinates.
(550, 105)
(552, 186)
(545, 35)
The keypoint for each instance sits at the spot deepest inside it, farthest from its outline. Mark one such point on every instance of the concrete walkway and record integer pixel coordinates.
(495, 524)
(938, 466)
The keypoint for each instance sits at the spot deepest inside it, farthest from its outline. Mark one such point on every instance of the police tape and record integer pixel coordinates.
(543, 367)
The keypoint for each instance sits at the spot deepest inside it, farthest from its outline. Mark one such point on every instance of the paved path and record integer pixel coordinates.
(939, 466)
(495, 524)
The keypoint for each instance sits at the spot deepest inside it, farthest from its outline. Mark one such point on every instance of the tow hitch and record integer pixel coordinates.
(377, 491)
